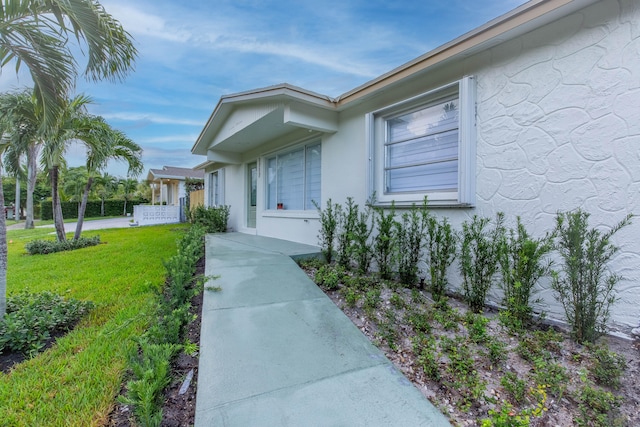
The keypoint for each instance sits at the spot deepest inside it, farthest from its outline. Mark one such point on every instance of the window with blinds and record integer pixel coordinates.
(293, 178)
(425, 146)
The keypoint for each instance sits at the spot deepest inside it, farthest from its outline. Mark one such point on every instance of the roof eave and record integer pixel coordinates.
(283, 90)
(519, 21)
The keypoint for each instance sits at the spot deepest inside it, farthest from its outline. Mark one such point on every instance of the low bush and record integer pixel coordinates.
(607, 366)
(213, 219)
(31, 318)
(43, 247)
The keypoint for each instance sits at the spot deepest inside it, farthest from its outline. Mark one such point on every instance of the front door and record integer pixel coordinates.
(252, 191)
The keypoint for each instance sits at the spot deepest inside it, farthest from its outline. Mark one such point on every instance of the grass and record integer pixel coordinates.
(75, 382)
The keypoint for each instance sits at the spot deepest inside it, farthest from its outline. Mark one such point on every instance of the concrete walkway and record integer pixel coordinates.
(276, 351)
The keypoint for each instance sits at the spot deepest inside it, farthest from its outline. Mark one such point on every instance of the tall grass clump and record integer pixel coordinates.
(522, 263)
(479, 256)
(583, 286)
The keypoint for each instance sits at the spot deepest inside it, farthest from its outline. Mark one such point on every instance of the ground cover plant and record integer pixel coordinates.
(479, 371)
(75, 381)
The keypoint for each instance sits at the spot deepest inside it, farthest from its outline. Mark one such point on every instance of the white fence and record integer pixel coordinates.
(156, 214)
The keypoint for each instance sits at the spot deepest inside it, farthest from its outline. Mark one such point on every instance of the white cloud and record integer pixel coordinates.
(151, 118)
(186, 138)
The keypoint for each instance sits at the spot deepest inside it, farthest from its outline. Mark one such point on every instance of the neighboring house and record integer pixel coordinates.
(168, 184)
(534, 112)
(168, 192)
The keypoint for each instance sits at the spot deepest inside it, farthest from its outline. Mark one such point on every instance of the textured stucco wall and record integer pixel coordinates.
(559, 128)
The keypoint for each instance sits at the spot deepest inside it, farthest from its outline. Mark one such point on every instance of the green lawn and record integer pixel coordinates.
(75, 382)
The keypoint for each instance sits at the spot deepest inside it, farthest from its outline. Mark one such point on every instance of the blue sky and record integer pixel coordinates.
(193, 52)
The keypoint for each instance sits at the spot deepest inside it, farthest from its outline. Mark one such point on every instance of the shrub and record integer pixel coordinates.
(383, 241)
(598, 408)
(607, 366)
(328, 228)
(213, 219)
(584, 288)
(328, 276)
(514, 386)
(31, 318)
(408, 242)
(43, 247)
(347, 221)
(426, 351)
(151, 369)
(441, 251)
(522, 264)
(479, 255)
(361, 250)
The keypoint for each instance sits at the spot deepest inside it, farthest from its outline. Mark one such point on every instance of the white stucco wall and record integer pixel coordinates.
(558, 127)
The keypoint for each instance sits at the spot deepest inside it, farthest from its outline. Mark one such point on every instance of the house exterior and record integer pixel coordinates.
(168, 192)
(535, 112)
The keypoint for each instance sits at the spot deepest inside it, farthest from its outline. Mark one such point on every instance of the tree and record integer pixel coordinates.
(103, 145)
(35, 33)
(23, 119)
(105, 185)
(65, 131)
(74, 180)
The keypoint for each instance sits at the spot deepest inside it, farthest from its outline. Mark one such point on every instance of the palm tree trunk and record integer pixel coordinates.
(57, 206)
(32, 173)
(3, 253)
(16, 206)
(82, 209)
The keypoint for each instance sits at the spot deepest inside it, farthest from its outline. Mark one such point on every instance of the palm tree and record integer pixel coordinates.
(59, 137)
(73, 181)
(35, 33)
(103, 145)
(22, 117)
(104, 185)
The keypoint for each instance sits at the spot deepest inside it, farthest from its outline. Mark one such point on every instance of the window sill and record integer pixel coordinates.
(283, 213)
(418, 203)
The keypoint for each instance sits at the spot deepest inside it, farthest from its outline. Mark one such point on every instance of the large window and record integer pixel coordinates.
(425, 146)
(293, 178)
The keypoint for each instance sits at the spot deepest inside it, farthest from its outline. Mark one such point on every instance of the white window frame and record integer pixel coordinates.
(216, 188)
(376, 128)
(270, 211)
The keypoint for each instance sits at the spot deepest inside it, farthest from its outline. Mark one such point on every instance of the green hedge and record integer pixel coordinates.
(70, 209)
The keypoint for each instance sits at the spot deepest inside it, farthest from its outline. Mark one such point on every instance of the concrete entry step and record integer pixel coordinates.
(276, 351)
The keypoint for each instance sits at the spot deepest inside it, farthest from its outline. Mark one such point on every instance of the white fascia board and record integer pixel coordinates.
(313, 118)
(224, 157)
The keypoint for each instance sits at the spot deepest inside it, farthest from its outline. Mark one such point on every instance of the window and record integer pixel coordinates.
(425, 146)
(216, 186)
(293, 178)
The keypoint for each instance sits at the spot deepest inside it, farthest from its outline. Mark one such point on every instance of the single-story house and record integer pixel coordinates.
(535, 112)
(168, 184)
(168, 194)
